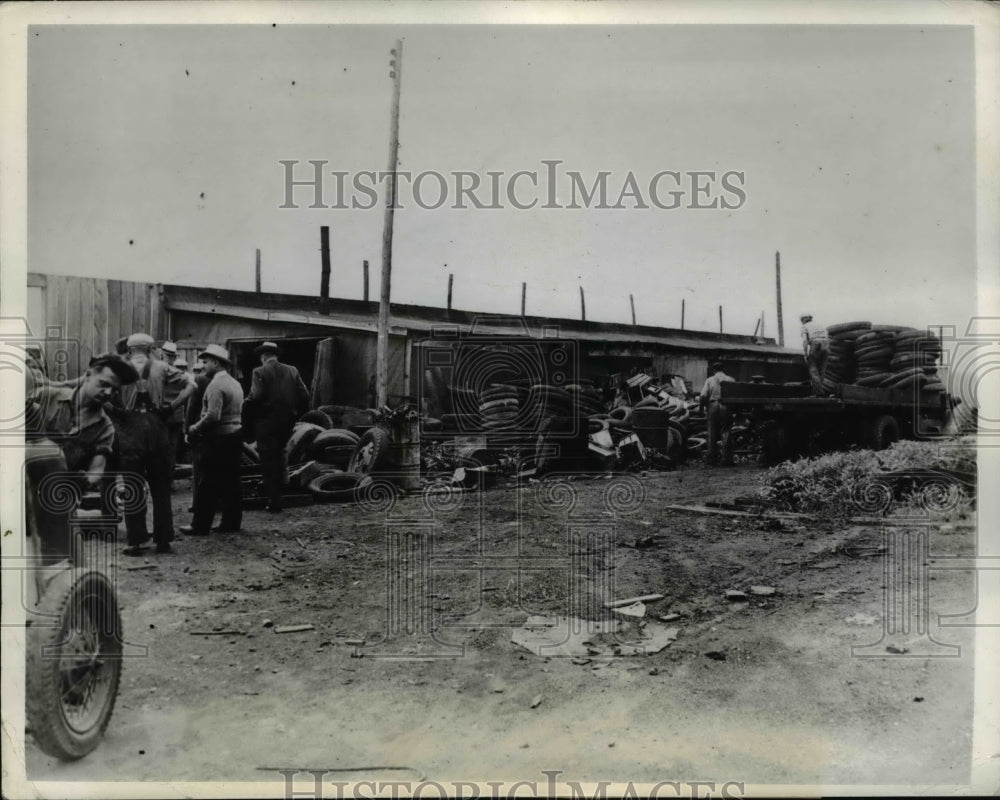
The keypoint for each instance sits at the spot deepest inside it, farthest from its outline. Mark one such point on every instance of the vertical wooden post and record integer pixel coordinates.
(762, 324)
(777, 280)
(451, 280)
(324, 285)
(756, 327)
(366, 279)
(524, 296)
(257, 282)
(720, 319)
(682, 313)
(382, 345)
(583, 306)
(631, 302)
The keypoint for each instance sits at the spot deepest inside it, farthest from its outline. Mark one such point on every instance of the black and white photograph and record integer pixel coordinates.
(477, 399)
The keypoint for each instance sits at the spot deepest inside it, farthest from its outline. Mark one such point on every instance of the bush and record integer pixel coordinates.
(839, 485)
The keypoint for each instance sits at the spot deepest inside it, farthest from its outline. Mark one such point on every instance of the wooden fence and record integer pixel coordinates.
(89, 315)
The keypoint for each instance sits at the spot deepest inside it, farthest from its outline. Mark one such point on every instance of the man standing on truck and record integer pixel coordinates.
(816, 349)
(718, 417)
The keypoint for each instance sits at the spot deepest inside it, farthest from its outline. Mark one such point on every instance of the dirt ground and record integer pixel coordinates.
(781, 700)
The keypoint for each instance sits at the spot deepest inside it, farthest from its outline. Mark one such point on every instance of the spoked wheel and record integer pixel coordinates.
(74, 664)
(371, 454)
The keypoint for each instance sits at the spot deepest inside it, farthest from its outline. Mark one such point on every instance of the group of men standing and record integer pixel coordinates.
(204, 407)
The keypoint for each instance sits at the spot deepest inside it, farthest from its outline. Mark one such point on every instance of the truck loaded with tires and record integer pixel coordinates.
(880, 385)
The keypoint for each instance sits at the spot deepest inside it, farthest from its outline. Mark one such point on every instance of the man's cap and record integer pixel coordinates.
(716, 366)
(126, 372)
(805, 317)
(169, 347)
(266, 347)
(140, 340)
(181, 362)
(216, 351)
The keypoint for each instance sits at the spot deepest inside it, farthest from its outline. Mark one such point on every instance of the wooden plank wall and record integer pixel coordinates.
(93, 314)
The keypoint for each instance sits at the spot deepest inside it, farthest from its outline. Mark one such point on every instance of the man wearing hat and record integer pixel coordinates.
(278, 397)
(176, 394)
(816, 349)
(150, 392)
(718, 417)
(218, 441)
(80, 436)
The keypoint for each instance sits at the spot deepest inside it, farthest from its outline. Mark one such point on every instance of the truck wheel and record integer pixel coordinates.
(371, 454)
(74, 664)
(884, 431)
(776, 443)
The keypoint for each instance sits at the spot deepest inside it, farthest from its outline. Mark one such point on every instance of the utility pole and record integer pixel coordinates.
(682, 313)
(324, 282)
(382, 346)
(631, 302)
(583, 306)
(777, 280)
(720, 319)
(366, 279)
(451, 280)
(524, 296)
(257, 282)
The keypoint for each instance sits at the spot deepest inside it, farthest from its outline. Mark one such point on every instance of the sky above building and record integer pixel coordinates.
(154, 154)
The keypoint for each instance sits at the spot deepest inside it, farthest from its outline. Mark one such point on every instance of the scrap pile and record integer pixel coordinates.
(884, 356)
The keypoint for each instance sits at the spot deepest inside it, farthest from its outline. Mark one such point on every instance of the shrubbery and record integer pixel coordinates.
(850, 484)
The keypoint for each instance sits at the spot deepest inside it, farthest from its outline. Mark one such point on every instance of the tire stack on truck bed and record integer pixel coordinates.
(914, 362)
(840, 366)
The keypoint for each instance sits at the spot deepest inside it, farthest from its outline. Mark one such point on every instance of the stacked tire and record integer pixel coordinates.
(545, 401)
(586, 399)
(873, 352)
(914, 362)
(840, 366)
(334, 447)
(499, 407)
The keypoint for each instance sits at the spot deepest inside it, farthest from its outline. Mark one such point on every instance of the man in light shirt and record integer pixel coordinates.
(816, 349)
(719, 418)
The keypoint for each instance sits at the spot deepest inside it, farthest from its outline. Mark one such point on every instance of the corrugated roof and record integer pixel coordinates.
(358, 314)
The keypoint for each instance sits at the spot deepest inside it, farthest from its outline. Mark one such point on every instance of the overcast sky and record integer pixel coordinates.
(857, 147)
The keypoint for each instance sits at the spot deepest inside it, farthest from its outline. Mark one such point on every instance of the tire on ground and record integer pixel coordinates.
(71, 599)
(371, 453)
(317, 417)
(338, 487)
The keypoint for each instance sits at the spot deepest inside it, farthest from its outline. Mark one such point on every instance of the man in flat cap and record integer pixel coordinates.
(278, 397)
(718, 417)
(177, 391)
(69, 431)
(218, 441)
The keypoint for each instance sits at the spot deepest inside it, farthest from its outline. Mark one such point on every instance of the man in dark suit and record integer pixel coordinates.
(278, 396)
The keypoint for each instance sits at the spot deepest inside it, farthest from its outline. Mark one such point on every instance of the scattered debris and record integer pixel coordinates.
(736, 596)
(646, 598)
(898, 651)
(267, 624)
(536, 701)
(141, 566)
(301, 543)
(716, 655)
(671, 617)
(918, 699)
(293, 628)
(654, 671)
(570, 636)
(763, 591)
(636, 609)
(217, 633)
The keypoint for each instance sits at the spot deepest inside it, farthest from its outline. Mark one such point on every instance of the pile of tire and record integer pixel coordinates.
(914, 362)
(658, 429)
(499, 407)
(334, 447)
(840, 366)
(586, 399)
(898, 357)
(873, 353)
(298, 446)
(545, 401)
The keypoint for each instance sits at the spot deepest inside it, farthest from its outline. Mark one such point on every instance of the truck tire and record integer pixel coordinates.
(777, 443)
(371, 453)
(883, 432)
(74, 664)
